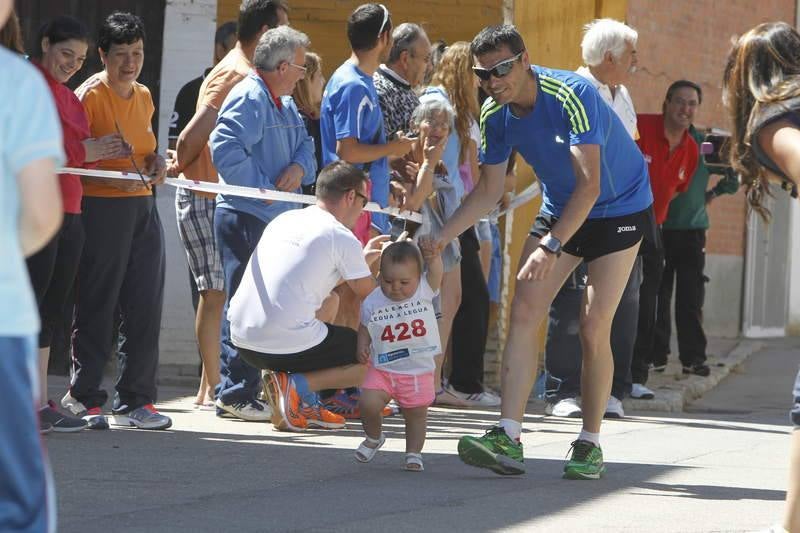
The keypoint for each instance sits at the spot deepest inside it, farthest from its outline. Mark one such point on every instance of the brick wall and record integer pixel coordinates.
(325, 21)
(690, 39)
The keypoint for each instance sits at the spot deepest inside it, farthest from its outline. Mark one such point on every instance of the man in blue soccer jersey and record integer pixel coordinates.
(596, 207)
(351, 120)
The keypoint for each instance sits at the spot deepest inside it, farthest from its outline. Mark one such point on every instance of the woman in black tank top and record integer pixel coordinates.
(761, 87)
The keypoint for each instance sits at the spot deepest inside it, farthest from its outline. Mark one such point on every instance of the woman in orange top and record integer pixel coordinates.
(122, 268)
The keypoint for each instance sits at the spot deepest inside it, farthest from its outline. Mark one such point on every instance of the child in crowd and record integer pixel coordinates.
(399, 338)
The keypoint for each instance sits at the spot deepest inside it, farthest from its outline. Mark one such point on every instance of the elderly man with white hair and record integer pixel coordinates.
(609, 54)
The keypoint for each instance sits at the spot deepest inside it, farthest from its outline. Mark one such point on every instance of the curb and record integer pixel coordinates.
(674, 390)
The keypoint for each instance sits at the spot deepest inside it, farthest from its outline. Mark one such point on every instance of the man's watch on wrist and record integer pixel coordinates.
(551, 245)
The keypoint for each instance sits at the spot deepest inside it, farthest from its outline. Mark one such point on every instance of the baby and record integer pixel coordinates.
(399, 338)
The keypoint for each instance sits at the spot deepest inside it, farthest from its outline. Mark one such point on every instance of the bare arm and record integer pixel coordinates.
(362, 286)
(481, 200)
(586, 162)
(364, 342)
(40, 205)
(781, 142)
(352, 151)
(195, 136)
(435, 271)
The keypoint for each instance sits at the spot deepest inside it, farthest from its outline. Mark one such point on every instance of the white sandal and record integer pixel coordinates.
(364, 453)
(414, 462)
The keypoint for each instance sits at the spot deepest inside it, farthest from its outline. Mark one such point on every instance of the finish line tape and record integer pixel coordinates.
(236, 190)
(525, 196)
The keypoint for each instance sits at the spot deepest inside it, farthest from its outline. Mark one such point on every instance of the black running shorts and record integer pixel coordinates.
(603, 236)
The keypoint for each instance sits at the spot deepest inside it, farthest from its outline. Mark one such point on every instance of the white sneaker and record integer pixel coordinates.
(640, 392)
(566, 408)
(614, 408)
(480, 399)
(252, 411)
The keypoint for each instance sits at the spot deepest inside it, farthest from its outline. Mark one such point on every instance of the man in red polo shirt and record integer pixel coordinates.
(671, 155)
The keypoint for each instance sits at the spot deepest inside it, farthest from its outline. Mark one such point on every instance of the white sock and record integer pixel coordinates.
(512, 428)
(594, 438)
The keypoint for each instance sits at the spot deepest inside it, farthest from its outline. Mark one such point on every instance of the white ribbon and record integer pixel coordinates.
(234, 190)
(525, 196)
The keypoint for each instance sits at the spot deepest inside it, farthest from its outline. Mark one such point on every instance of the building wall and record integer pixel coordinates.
(325, 22)
(690, 39)
(189, 27)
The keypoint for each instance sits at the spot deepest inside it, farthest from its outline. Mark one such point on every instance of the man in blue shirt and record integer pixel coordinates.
(30, 214)
(259, 141)
(596, 200)
(351, 127)
(351, 120)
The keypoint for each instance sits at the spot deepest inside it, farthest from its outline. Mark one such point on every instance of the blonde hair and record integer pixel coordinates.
(302, 91)
(454, 73)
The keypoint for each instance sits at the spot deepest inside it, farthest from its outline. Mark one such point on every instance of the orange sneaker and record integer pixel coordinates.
(285, 403)
(318, 416)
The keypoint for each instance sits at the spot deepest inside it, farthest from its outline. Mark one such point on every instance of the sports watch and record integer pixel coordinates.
(550, 244)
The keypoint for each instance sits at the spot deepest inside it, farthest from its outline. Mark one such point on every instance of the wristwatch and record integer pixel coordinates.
(550, 245)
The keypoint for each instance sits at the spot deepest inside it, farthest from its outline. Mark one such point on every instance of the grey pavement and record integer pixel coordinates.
(719, 467)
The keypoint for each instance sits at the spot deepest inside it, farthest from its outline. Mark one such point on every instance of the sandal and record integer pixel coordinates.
(364, 453)
(414, 462)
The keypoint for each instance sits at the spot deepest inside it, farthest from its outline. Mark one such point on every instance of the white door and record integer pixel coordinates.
(767, 268)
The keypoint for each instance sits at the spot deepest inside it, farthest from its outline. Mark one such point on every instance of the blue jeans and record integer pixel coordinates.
(796, 409)
(26, 495)
(237, 235)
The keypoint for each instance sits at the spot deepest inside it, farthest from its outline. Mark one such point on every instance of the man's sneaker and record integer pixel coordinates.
(586, 461)
(45, 427)
(252, 411)
(343, 404)
(95, 419)
(59, 422)
(614, 408)
(566, 408)
(285, 403)
(640, 392)
(495, 450)
(659, 368)
(697, 370)
(479, 399)
(144, 417)
(317, 416)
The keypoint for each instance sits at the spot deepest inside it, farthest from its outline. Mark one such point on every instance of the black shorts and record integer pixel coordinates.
(602, 236)
(337, 349)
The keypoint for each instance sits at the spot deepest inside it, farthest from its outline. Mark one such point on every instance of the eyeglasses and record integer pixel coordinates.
(500, 70)
(385, 19)
(299, 67)
(364, 199)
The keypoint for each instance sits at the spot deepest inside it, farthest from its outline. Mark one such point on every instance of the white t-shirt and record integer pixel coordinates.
(300, 258)
(404, 335)
(621, 102)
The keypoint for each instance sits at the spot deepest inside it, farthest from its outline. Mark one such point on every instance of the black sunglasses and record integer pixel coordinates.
(500, 70)
(364, 199)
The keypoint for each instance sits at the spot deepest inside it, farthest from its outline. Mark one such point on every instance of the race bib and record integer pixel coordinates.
(404, 335)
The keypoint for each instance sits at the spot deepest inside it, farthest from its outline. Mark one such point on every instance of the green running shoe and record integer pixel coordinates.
(586, 461)
(495, 450)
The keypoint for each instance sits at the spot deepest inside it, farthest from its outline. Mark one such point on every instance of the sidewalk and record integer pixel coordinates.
(674, 390)
(721, 468)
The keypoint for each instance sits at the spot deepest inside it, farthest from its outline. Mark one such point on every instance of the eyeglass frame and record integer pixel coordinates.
(480, 72)
(302, 68)
(362, 196)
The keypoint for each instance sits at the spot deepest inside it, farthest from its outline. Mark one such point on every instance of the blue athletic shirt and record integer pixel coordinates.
(568, 111)
(350, 108)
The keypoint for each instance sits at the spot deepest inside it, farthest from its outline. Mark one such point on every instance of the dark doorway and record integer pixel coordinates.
(33, 13)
